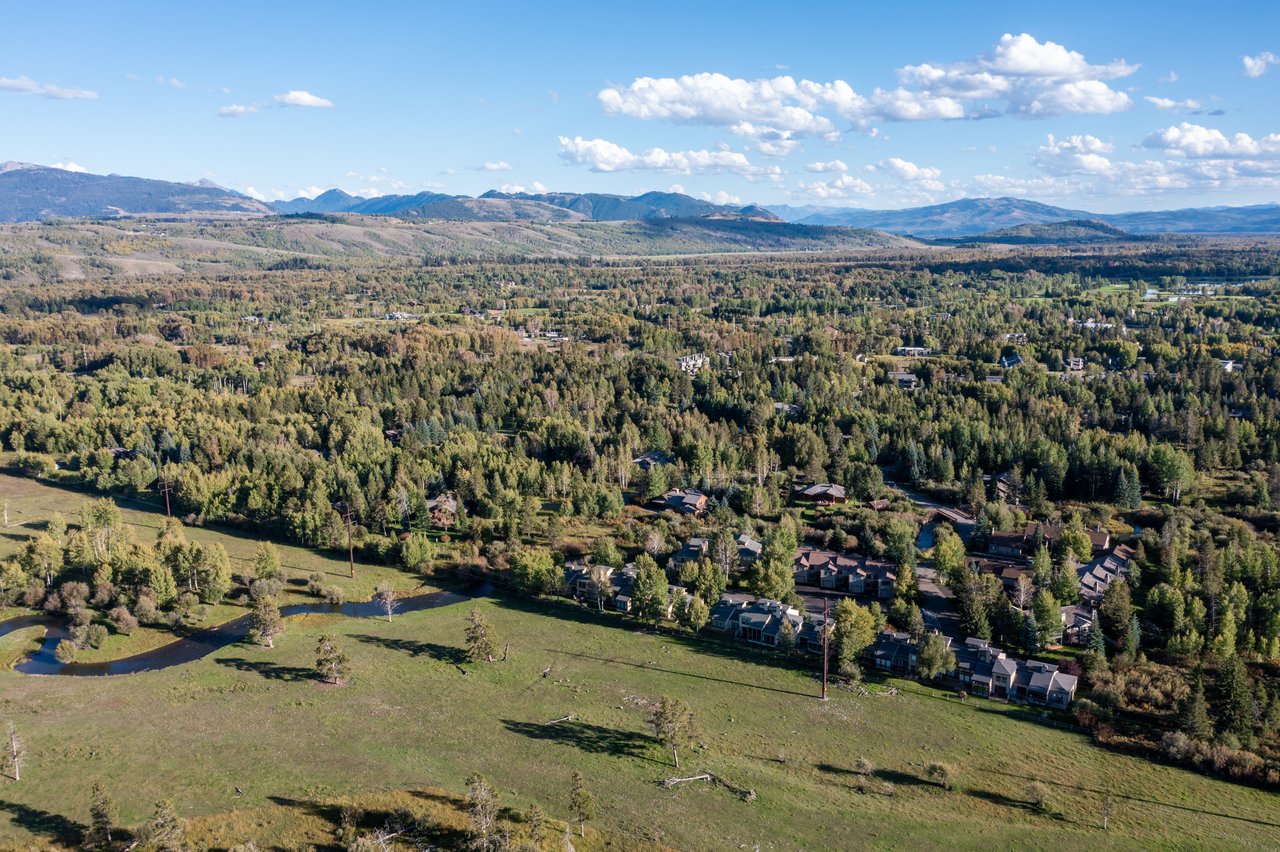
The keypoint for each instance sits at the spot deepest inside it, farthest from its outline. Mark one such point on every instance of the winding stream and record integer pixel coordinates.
(202, 642)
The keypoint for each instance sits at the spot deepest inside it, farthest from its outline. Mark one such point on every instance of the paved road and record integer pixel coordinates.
(963, 521)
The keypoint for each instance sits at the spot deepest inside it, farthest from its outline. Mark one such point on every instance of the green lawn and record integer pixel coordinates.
(253, 718)
(31, 504)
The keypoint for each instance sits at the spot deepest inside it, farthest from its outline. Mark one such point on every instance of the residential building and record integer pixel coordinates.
(823, 493)
(692, 364)
(649, 460)
(904, 380)
(748, 550)
(913, 351)
(853, 573)
(693, 550)
(1009, 361)
(686, 501)
(1098, 575)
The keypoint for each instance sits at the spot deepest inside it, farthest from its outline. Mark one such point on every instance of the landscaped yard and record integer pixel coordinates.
(253, 718)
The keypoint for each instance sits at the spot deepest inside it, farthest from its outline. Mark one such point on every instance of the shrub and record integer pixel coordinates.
(335, 595)
(864, 767)
(941, 774)
(96, 634)
(122, 620)
(65, 652)
(1038, 795)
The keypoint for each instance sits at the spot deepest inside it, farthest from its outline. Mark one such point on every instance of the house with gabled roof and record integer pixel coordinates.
(821, 493)
(686, 501)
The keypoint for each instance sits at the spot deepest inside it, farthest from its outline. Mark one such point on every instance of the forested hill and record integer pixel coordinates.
(77, 249)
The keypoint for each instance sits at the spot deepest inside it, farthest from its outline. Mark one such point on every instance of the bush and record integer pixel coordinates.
(335, 595)
(1038, 795)
(122, 620)
(146, 610)
(266, 587)
(941, 774)
(95, 635)
(315, 584)
(65, 652)
(864, 767)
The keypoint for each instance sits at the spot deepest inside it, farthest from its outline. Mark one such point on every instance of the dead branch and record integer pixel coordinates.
(568, 718)
(743, 793)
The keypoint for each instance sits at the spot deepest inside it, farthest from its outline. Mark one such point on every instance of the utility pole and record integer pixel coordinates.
(165, 489)
(351, 553)
(826, 635)
(1106, 811)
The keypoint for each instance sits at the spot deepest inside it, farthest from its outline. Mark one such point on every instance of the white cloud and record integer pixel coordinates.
(1193, 140)
(1256, 66)
(1171, 77)
(499, 166)
(517, 189)
(254, 194)
(841, 187)
(829, 166)
(602, 155)
(1023, 76)
(237, 110)
(905, 170)
(1172, 105)
(172, 82)
(69, 167)
(308, 192)
(1077, 154)
(27, 86)
(676, 187)
(720, 197)
(300, 98)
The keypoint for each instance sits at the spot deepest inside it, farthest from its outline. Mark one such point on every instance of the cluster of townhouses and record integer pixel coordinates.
(981, 669)
(859, 575)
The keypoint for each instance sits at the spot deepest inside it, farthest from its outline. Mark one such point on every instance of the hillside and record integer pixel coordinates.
(1075, 231)
(522, 206)
(29, 192)
(70, 249)
(971, 216)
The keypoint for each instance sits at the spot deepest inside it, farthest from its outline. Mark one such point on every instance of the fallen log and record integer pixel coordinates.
(743, 793)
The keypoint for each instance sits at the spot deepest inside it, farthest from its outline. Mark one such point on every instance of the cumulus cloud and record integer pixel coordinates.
(1077, 154)
(1172, 105)
(720, 197)
(829, 166)
(924, 177)
(841, 187)
(27, 86)
(301, 98)
(517, 189)
(237, 110)
(1193, 140)
(499, 166)
(1020, 76)
(1256, 66)
(69, 167)
(602, 155)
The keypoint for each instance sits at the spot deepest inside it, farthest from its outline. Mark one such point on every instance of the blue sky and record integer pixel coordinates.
(1102, 106)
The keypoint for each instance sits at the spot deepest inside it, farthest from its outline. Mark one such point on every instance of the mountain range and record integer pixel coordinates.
(31, 193)
(972, 216)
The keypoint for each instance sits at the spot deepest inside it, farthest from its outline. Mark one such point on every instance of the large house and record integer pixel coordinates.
(913, 351)
(694, 550)
(822, 493)
(649, 460)
(904, 380)
(686, 501)
(1024, 542)
(859, 575)
(748, 550)
(599, 585)
(1097, 575)
(760, 622)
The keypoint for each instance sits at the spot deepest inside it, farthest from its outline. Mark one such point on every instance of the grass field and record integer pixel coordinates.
(252, 718)
(31, 504)
(411, 727)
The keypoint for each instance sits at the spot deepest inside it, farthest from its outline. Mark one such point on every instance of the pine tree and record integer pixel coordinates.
(482, 642)
(581, 803)
(673, 724)
(1193, 715)
(164, 833)
(102, 817)
(332, 665)
(482, 808)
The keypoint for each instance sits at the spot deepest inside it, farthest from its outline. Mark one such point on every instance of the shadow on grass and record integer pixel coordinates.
(271, 671)
(454, 838)
(903, 779)
(46, 823)
(1157, 802)
(596, 739)
(705, 643)
(1017, 804)
(412, 647)
(648, 667)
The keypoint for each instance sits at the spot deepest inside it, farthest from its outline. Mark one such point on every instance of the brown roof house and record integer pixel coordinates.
(822, 493)
(686, 501)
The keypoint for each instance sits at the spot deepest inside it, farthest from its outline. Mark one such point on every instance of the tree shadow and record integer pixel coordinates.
(1017, 804)
(412, 647)
(901, 779)
(271, 671)
(1156, 802)
(648, 667)
(328, 813)
(37, 821)
(443, 836)
(596, 739)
